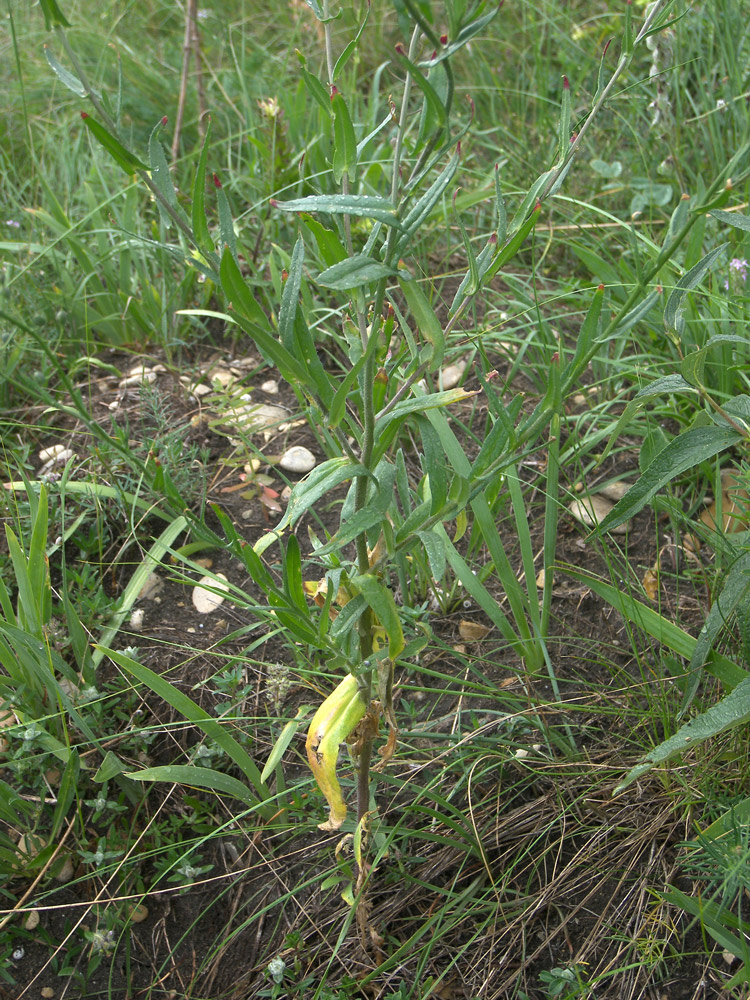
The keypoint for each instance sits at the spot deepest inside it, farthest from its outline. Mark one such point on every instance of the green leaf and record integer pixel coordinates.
(420, 404)
(330, 246)
(322, 479)
(195, 715)
(360, 205)
(317, 90)
(656, 625)
(286, 736)
(427, 322)
(669, 383)
(734, 592)
(226, 223)
(244, 304)
(354, 272)
(122, 156)
(732, 219)
(290, 295)
(563, 140)
(52, 14)
(200, 222)
(414, 218)
(160, 174)
(344, 140)
(197, 777)
(370, 515)
(63, 75)
(293, 575)
(687, 282)
(433, 546)
(683, 452)
(513, 245)
(350, 48)
(380, 599)
(431, 97)
(693, 364)
(732, 710)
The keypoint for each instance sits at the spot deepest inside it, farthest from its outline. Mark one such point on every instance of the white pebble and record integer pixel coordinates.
(298, 460)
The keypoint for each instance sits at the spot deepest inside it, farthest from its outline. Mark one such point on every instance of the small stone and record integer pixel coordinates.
(199, 389)
(47, 992)
(252, 466)
(151, 587)
(65, 872)
(205, 600)
(136, 619)
(32, 920)
(223, 378)
(270, 386)
(139, 369)
(139, 913)
(254, 418)
(591, 511)
(146, 377)
(60, 458)
(615, 491)
(540, 579)
(451, 375)
(51, 453)
(298, 460)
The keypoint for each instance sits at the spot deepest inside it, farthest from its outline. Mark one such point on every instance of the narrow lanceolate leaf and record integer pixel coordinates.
(197, 777)
(564, 132)
(431, 96)
(669, 383)
(290, 295)
(344, 140)
(734, 594)
(731, 711)
(122, 156)
(682, 453)
(195, 714)
(226, 222)
(63, 75)
(160, 173)
(732, 219)
(200, 223)
(52, 14)
(364, 206)
(315, 87)
(355, 272)
(381, 600)
(414, 218)
(286, 736)
(418, 404)
(687, 282)
(427, 322)
(310, 489)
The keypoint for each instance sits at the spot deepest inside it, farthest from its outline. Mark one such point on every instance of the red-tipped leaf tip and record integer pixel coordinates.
(273, 203)
(458, 148)
(470, 99)
(493, 238)
(600, 288)
(284, 274)
(573, 136)
(566, 83)
(606, 46)
(217, 182)
(399, 48)
(84, 115)
(164, 120)
(538, 206)
(433, 57)
(443, 39)
(555, 357)
(334, 90)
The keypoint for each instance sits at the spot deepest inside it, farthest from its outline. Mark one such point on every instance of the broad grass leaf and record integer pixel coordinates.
(344, 140)
(687, 282)
(195, 715)
(322, 479)
(354, 272)
(731, 711)
(197, 777)
(364, 206)
(683, 452)
(200, 222)
(64, 76)
(732, 219)
(380, 599)
(122, 156)
(52, 14)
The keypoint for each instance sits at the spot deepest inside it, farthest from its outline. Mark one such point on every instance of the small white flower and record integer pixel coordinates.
(721, 104)
(276, 969)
